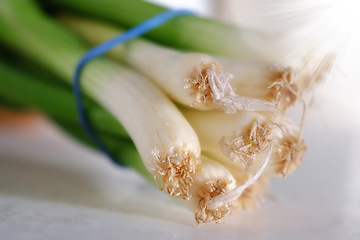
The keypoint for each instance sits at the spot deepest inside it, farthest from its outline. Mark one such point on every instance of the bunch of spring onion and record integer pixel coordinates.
(215, 150)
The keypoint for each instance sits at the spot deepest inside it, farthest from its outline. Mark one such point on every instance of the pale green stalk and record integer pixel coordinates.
(192, 79)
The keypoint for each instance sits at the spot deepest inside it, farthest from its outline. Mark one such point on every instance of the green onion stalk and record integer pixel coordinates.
(194, 79)
(187, 32)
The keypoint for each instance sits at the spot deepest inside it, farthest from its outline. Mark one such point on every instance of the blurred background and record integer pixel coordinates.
(67, 191)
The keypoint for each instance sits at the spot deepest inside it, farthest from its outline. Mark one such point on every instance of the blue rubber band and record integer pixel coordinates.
(137, 31)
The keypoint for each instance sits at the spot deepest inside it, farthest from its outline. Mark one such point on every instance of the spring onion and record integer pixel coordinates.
(211, 181)
(213, 162)
(210, 177)
(193, 79)
(232, 195)
(289, 75)
(169, 151)
(269, 82)
(244, 139)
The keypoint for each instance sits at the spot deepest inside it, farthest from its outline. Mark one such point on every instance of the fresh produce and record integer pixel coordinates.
(173, 115)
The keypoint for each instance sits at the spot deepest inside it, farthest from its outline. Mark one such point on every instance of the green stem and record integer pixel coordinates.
(185, 32)
(52, 99)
